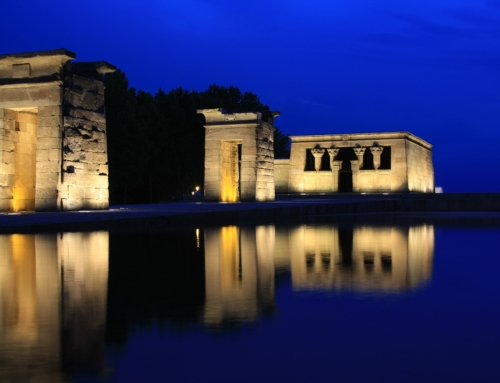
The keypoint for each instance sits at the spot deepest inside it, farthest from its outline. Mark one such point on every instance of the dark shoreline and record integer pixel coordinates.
(446, 209)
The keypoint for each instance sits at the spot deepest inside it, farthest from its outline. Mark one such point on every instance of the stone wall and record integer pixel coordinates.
(265, 162)
(420, 168)
(281, 175)
(374, 181)
(85, 161)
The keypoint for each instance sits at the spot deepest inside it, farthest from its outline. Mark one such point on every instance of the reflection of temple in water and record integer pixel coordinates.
(240, 263)
(53, 291)
(239, 279)
(370, 259)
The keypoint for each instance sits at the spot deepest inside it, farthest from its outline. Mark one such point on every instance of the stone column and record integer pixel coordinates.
(355, 172)
(376, 151)
(332, 153)
(318, 154)
(336, 166)
(360, 153)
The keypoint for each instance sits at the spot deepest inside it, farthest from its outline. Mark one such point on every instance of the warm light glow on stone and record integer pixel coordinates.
(35, 115)
(239, 156)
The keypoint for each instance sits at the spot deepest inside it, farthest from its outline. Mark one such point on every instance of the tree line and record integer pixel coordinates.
(156, 142)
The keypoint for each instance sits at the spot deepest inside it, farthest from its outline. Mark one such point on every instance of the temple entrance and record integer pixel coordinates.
(345, 177)
(19, 152)
(230, 171)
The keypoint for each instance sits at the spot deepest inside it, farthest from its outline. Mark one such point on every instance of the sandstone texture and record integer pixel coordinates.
(395, 162)
(239, 156)
(53, 153)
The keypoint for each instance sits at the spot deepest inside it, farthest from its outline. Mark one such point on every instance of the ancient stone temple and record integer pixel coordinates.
(239, 156)
(53, 153)
(365, 163)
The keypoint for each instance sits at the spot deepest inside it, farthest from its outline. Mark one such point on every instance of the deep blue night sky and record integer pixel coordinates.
(431, 67)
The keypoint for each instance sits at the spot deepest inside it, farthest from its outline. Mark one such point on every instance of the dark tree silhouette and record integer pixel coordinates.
(156, 143)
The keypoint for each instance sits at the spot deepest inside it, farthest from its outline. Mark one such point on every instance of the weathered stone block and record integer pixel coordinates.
(48, 143)
(100, 158)
(89, 146)
(75, 192)
(47, 111)
(4, 180)
(46, 192)
(5, 192)
(93, 101)
(52, 131)
(8, 157)
(49, 95)
(85, 180)
(103, 169)
(99, 136)
(54, 154)
(72, 204)
(47, 167)
(7, 168)
(87, 115)
(11, 97)
(95, 204)
(96, 194)
(9, 135)
(47, 179)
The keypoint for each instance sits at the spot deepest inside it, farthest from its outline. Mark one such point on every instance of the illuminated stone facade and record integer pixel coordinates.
(239, 156)
(368, 163)
(53, 153)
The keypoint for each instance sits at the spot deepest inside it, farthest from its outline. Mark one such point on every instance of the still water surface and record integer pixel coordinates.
(303, 303)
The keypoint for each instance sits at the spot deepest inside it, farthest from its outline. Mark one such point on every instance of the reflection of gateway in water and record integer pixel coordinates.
(239, 273)
(53, 305)
(240, 263)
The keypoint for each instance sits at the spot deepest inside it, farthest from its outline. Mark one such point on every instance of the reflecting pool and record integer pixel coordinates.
(296, 303)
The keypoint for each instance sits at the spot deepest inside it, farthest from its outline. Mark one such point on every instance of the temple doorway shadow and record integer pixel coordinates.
(345, 177)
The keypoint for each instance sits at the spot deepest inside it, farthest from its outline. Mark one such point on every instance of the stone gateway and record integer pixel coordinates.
(53, 153)
(239, 156)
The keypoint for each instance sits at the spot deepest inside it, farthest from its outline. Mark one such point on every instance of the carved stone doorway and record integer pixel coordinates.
(230, 171)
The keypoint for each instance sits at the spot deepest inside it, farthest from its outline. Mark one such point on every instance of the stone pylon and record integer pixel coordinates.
(239, 156)
(53, 150)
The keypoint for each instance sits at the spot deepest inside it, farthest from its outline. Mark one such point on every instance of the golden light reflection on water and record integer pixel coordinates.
(53, 287)
(369, 259)
(53, 304)
(239, 273)
(240, 263)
